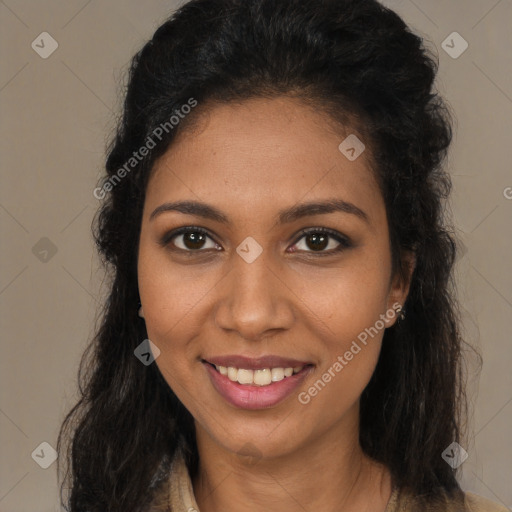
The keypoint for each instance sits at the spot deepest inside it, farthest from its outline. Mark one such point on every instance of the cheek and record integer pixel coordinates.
(172, 307)
(348, 309)
(355, 307)
(349, 299)
(351, 343)
(171, 293)
(166, 303)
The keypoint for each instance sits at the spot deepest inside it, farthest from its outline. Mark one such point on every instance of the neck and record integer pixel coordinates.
(331, 474)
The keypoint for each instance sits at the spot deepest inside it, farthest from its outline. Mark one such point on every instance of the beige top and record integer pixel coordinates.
(182, 497)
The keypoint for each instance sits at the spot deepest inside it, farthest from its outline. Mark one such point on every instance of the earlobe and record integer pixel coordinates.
(394, 314)
(401, 285)
(400, 311)
(140, 312)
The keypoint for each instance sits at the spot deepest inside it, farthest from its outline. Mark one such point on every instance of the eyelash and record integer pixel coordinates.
(344, 242)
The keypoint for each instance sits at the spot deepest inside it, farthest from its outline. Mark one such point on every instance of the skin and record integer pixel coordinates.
(250, 160)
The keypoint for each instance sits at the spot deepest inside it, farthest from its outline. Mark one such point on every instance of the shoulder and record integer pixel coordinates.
(476, 503)
(176, 493)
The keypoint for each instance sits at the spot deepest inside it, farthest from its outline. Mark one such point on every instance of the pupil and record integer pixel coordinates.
(193, 240)
(319, 241)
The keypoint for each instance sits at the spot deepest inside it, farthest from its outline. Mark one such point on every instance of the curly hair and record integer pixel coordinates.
(359, 63)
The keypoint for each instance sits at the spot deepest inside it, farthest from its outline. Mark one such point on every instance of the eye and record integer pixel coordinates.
(319, 239)
(316, 240)
(189, 239)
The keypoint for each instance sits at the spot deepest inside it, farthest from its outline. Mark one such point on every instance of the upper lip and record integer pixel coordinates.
(258, 363)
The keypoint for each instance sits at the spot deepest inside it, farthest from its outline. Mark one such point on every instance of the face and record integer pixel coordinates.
(250, 277)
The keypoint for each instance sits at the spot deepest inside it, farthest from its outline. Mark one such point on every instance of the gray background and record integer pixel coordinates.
(56, 116)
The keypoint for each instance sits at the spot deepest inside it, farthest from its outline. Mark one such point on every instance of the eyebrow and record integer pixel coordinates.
(285, 216)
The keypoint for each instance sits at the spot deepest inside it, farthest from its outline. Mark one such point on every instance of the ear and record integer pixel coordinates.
(400, 285)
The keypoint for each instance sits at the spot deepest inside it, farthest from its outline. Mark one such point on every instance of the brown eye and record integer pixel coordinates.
(193, 240)
(189, 239)
(322, 240)
(317, 241)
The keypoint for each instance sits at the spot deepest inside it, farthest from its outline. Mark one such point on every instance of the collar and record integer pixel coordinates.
(181, 495)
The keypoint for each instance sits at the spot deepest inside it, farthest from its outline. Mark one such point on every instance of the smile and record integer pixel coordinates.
(256, 388)
(263, 377)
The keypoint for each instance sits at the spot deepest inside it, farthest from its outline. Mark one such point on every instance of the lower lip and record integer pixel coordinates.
(255, 397)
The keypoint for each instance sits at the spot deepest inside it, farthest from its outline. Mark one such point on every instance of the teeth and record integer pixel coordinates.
(262, 377)
(245, 376)
(232, 373)
(277, 374)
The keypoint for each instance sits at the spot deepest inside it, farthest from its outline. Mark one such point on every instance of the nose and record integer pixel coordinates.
(255, 301)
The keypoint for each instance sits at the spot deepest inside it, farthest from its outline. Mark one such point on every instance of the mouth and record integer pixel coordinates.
(259, 387)
(259, 377)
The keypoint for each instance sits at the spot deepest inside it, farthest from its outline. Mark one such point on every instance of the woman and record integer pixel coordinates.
(273, 223)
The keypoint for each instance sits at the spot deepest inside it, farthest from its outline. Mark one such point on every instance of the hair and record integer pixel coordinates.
(358, 62)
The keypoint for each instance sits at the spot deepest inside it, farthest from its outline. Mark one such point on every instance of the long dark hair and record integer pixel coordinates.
(358, 62)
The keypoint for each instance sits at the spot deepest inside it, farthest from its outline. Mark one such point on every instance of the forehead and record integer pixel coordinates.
(261, 154)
